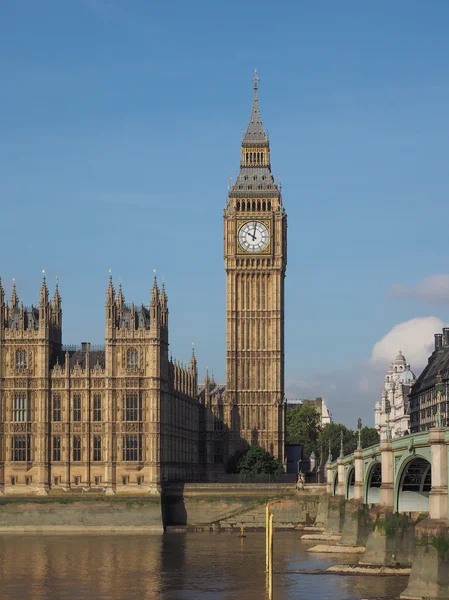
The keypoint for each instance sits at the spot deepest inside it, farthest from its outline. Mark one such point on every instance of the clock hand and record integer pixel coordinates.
(254, 233)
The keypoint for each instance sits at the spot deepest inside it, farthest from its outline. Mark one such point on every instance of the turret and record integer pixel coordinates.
(155, 308)
(43, 304)
(56, 307)
(110, 309)
(163, 301)
(14, 302)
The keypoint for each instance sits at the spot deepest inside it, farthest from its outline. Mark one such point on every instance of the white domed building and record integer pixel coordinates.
(398, 382)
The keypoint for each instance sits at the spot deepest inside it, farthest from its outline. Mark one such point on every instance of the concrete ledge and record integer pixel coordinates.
(322, 537)
(357, 570)
(58, 529)
(325, 549)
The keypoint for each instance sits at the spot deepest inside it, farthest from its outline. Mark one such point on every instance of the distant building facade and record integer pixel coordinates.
(121, 418)
(398, 383)
(425, 394)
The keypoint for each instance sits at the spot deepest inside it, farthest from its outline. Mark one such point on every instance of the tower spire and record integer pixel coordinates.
(14, 302)
(255, 131)
(44, 289)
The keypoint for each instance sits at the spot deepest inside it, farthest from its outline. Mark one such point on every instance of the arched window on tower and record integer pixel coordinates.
(132, 359)
(243, 206)
(262, 159)
(247, 157)
(269, 205)
(258, 205)
(21, 359)
(254, 205)
(237, 206)
(264, 205)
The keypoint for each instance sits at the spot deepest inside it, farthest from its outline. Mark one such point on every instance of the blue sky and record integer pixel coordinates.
(121, 123)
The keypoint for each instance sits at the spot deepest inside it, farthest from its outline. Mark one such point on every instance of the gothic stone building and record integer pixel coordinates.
(123, 418)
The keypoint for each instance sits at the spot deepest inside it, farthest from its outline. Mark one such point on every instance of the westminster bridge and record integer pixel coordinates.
(407, 475)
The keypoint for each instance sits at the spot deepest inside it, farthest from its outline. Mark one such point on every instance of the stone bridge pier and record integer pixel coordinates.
(392, 498)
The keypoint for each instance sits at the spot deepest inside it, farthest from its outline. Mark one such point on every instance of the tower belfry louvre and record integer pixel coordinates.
(255, 255)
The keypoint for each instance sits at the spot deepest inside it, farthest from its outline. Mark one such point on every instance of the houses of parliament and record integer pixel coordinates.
(126, 417)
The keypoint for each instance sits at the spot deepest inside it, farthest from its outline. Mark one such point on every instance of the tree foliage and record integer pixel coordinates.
(303, 427)
(258, 461)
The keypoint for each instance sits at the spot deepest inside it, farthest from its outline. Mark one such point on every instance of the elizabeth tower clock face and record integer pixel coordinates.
(253, 236)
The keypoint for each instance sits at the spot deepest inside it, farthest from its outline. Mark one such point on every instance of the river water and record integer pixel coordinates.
(174, 566)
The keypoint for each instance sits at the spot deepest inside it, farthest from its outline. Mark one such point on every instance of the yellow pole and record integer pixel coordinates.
(267, 536)
(270, 571)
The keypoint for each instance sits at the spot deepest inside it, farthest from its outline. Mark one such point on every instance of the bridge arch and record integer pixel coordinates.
(413, 483)
(373, 481)
(350, 482)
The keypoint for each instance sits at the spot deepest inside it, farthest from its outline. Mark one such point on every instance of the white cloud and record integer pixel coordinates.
(434, 288)
(414, 337)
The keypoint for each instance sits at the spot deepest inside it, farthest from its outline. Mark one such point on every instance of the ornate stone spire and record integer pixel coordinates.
(110, 292)
(192, 364)
(155, 290)
(57, 296)
(44, 290)
(255, 131)
(14, 302)
(2, 293)
(120, 297)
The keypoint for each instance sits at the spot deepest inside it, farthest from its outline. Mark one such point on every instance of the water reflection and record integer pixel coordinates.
(173, 567)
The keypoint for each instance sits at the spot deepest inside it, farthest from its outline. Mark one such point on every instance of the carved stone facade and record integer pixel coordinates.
(255, 255)
(123, 418)
(393, 407)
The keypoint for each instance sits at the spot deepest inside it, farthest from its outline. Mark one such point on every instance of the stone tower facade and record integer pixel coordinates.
(255, 255)
(120, 418)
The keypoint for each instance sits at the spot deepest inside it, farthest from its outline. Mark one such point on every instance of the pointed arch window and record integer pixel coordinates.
(132, 359)
(21, 359)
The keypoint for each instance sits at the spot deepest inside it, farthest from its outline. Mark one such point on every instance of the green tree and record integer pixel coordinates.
(303, 427)
(369, 437)
(258, 461)
(332, 432)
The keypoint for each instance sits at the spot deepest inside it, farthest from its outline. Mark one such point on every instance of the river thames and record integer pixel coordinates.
(193, 566)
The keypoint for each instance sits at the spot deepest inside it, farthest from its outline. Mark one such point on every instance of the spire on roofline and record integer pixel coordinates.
(255, 133)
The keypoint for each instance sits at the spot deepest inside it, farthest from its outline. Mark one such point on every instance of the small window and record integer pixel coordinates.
(132, 408)
(77, 408)
(21, 413)
(13, 481)
(139, 480)
(76, 448)
(56, 480)
(56, 407)
(21, 359)
(132, 359)
(124, 480)
(76, 480)
(27, 480)
(97, 407)
(97, 448)
(97, 480)
(56, 448)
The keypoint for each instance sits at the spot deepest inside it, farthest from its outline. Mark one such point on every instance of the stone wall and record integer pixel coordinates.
(81, 515)
(240, 505)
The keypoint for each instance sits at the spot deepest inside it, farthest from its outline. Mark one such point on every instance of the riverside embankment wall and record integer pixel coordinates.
(240, 505)
(196, 505)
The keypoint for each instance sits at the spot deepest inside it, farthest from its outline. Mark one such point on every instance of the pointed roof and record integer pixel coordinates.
(255, 131)
(110, 292)
(14, 297)
(57, 295)
(44, 289)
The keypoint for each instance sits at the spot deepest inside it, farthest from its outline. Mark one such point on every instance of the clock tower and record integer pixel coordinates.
(255, 254)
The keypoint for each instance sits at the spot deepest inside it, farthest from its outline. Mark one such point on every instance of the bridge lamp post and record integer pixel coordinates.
(388, 412)
(439, 417)
(359, 432)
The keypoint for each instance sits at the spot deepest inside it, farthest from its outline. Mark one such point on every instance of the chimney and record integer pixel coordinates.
(438, 341)
(445, 337)
(85, 346)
